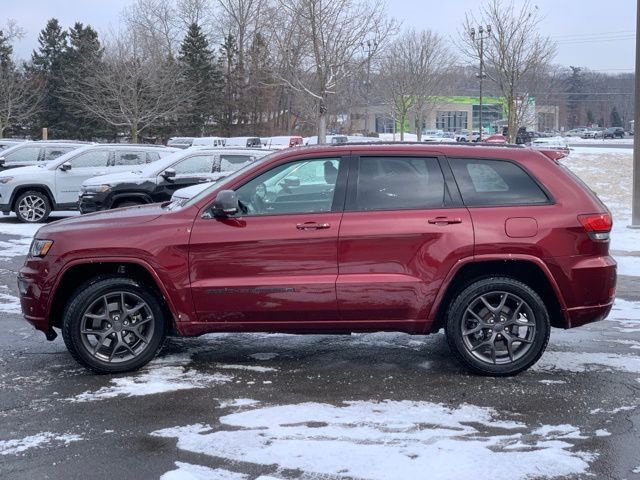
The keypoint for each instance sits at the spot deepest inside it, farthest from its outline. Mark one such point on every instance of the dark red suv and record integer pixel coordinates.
(493, 244)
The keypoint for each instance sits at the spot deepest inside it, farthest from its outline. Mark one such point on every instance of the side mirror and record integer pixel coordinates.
(65, 167)
(225, 204)
(169, 173)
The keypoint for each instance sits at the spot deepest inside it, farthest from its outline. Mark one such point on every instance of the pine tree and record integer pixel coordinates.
(228, 61)
(200, 74)
(616, 121)
(82, 54)
(48, 65)
(6, 50)
(574, 86)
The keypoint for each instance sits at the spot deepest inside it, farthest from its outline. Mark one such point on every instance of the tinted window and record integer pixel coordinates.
(26, 154)
(396, 183)
(495, 182)
(129, 158)
(198, 164)
(54, 152)
(304, 186)
(93, 158)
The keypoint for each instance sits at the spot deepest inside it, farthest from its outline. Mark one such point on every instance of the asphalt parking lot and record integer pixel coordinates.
(386, 405)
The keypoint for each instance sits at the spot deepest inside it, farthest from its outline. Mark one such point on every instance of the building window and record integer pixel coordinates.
(384, 124)
(491, 113)
(451, 121)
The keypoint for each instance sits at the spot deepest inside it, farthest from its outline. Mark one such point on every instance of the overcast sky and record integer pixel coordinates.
(597, 34)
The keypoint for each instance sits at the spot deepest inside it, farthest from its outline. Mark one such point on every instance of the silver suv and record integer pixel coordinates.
(33, 192)
(25, 154)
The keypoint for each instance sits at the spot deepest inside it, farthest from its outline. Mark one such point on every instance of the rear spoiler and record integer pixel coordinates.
(554, 153)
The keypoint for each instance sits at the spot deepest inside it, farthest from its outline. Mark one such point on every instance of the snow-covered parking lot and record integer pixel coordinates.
(367, 406)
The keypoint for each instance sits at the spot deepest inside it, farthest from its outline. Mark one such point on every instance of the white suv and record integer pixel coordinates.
(33, 192)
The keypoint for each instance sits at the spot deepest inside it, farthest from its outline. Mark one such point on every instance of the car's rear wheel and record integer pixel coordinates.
(32, 207)
(114, 325)
(498, 326)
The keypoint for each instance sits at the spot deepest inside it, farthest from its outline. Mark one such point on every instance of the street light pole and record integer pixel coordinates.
(635, 202)
(370, 46)
(482, 35)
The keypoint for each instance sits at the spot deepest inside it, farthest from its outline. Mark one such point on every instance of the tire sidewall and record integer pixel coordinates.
(84, 297)
(29, 193)
(481, 287)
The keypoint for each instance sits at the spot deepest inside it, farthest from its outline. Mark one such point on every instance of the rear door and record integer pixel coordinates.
(403, 229)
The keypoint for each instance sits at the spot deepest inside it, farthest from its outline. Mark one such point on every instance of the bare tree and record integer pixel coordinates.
(431, 63)
(332, 32)
(132, 91)
(20, 97)
(157, 26)
(513, 51)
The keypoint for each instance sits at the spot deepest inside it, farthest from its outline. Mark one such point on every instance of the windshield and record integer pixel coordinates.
(220, 184)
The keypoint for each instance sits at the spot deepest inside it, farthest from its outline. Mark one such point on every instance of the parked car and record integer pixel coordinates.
(495, 138)
(33, 192)
(592, 133)
(157, 182)
(576, 132)
(614, 132)
(9, 142)
(180, 142)
(278, 143)
(26, 154)
(493, 244)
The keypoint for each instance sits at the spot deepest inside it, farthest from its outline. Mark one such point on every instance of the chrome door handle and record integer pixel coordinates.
(444, 220)
(313, 226)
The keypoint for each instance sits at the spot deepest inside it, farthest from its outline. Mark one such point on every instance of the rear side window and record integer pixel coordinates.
(230, 163)
(398, 183)
(152, 156)
(495, 182)
(54, 152)
(129, 158)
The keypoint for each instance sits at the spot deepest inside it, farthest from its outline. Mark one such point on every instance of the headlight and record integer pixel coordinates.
(95, 188)
(4, 180)
(39, 248)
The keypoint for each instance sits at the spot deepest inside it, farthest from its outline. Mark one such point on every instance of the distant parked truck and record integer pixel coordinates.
(281, 142)
(209, 142)
(180, 142)
(248, 142)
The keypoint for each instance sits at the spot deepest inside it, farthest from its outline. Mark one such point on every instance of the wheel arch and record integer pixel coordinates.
(528, 270)
(78, 273)
(119, 198)
(20, 189)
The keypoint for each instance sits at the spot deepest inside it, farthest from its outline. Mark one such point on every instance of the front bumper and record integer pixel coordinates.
(34, 285)
(93, 202)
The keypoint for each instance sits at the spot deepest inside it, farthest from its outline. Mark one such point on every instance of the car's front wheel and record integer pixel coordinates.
(114, 325)
(498, 326)
(32, 207)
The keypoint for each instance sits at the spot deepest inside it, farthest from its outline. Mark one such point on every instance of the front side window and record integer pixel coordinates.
(91, 159)
(305, 186)
(26, 154)
(399, 183)
(196, 165)
(495, 182)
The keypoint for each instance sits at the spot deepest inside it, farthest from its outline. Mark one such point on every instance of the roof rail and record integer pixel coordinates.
(452, 143)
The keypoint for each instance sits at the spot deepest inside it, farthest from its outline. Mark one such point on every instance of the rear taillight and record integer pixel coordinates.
(597, 225)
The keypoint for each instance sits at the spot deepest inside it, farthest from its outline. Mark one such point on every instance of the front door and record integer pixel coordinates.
(400, 235)
(276, 262)
(189, 171)
(85, 165)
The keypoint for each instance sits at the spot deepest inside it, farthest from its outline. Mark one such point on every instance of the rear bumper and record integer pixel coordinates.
(587, 285)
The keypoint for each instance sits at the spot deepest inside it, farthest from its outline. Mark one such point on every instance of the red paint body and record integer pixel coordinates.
(367, 271)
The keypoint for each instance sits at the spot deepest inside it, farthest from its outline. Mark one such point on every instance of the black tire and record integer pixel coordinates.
(483, 340)
(137, 347)
(32, 206)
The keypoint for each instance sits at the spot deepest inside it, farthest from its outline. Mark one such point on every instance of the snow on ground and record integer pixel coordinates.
(166, 374)
(600, 141)
(390, 439)
(16, 446)
(8, 302)
(187, 471)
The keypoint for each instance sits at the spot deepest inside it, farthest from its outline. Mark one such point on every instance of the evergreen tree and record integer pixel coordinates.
(574, 86)
(228, 61)
(591, 118)
(82, 55)
(48, 65)
(6, 50)
(616, 121)
(201, 75)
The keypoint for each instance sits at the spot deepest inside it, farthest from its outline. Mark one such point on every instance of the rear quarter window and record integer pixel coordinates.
(495, 182)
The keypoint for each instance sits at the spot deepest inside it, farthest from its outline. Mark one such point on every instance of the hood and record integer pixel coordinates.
(189, 192)
(23, 171)
(114, 178)
(109, 219)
